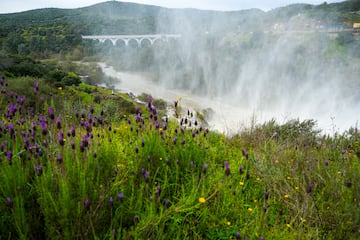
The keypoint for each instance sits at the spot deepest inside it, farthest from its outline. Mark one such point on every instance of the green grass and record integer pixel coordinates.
(295, 184)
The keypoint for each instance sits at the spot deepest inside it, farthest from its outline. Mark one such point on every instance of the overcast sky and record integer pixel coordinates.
(10, 6)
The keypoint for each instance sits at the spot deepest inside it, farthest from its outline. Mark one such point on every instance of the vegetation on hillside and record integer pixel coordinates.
(81, 162)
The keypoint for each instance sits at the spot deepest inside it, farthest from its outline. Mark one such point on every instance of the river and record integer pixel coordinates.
(226, 118)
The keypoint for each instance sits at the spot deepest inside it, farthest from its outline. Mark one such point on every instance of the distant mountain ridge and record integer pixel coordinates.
(115, 17)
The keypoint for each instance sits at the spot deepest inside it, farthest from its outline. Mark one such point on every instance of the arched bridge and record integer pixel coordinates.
(139, 39)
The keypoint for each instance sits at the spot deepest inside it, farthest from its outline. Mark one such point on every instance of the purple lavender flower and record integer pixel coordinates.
(158, 191)
(237, 235)
(33, 125)
(100, 120)
(91, 109)
(174, 141)
(111, 201)
(85, 141)
(82, 113)
(88, 126)
(87, 204)
(137, 118)
(21, 100)
(266, 195)
(149, 102)
(11, 130)
(154, 110)
(9, 157)
(146, 176)
(120, 197)
(192, 165)
(61, 138)
(72, 131)
(245, 153)
(309, 187)
(43, 127)
(165, 126)
(82, 147)
(142, 142)
(40, 151)
(166, 203)
(39, 169)
(204, 167)
(59, 158)
(9, 202)
(247, 175)
(58, 122)
(227, 169)
(327, 162)
(51, 113)
(136, 149)
(241, 170)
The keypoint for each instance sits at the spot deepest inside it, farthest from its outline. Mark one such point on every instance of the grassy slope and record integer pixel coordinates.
(126, 174)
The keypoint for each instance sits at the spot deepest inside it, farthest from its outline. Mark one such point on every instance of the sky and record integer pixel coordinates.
(11, 6)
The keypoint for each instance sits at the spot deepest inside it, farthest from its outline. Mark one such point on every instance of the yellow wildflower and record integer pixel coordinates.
(59, 88)
(250, 209)
(286, 196)
(288, 225)
(241, 183)
(276, 161)
(228, 223)
(202, 200)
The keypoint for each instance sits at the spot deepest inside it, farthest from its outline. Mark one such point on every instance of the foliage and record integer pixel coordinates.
(70, 79)
(75, 168)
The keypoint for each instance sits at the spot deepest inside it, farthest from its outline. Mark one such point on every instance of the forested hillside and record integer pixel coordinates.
(44, 32)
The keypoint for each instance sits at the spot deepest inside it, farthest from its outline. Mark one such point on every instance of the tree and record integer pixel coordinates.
(71, 79)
